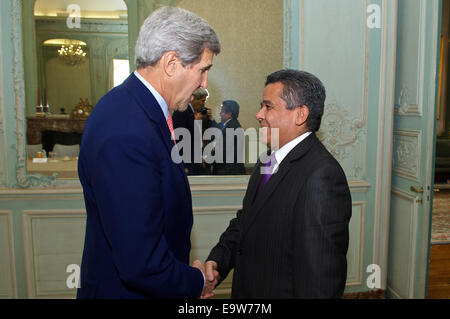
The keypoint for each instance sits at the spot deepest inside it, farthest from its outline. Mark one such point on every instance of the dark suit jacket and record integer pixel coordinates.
(185, 120)
(137, 240)
(292, 240)
(236, 167)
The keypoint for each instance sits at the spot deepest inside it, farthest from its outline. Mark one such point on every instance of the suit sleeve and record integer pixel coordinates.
(130, 205)
(321, 238)
(224, 253)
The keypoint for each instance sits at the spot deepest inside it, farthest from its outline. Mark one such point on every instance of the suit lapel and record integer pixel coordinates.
(252, 185)
(257, 205)
(150, 105)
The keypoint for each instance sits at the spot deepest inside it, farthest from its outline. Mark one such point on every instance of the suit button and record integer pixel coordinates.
(239, 251)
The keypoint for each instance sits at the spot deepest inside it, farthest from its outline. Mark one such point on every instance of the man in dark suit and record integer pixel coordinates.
(290, 239)
(232, 161)
(186, 120)
(138, 200)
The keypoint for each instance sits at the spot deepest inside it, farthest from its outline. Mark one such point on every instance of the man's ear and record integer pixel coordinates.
(170, 62)
(301, 115)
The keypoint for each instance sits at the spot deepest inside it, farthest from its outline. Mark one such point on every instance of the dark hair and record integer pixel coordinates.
(232, 107)
(301, 88)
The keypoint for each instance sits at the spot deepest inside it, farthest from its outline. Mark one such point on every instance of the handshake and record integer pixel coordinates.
(209, 270)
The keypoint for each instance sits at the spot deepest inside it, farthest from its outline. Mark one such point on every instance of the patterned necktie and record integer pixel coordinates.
(170, 125)
(266, 172)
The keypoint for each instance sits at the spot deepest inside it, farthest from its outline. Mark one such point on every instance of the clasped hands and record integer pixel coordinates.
(209, 270)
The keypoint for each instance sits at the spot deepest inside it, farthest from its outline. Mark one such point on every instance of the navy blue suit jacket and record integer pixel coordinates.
(138, 202)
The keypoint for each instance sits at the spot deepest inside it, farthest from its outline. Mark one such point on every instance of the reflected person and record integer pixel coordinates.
(232, 162)
(187, 119)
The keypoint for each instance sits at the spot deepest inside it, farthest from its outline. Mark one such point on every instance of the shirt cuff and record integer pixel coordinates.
(204, 280)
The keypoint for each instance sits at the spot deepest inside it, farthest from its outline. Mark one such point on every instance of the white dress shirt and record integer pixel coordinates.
(162, 103)
(284, 151)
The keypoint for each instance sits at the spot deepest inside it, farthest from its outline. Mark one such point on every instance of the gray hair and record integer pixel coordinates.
(200, 93)
(174, 29)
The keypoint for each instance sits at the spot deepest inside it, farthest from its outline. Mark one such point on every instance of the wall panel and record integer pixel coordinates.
(356, 245)
(53, 240)
(403, 225)
(7, 270)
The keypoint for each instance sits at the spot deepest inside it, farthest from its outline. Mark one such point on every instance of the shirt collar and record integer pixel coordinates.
(225, 123)
(284, 151)
(162, 103)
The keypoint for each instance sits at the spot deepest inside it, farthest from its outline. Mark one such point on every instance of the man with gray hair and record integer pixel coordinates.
(138, 201)
(186, 120)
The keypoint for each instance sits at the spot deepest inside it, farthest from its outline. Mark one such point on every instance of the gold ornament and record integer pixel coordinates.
(82, 110)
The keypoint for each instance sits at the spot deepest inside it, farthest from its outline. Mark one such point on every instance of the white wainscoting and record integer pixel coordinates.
(403, 224)
(53, 240)
(356, 245)
(7, 265)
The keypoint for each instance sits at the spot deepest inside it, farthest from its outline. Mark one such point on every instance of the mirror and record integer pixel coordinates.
(81, 52)
(64, 63)
(251, 36)
(253, 40)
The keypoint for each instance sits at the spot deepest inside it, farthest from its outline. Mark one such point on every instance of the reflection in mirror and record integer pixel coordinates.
(251, 35)
(81, 53)
(252, 47)
(64, 63)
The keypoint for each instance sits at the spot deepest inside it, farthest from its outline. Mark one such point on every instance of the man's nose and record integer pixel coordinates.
(260, 115)
(204, 83)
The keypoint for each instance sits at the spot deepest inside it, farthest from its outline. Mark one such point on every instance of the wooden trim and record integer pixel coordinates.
(373, 294)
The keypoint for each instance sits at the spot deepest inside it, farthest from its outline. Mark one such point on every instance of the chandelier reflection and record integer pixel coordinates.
(72, 54)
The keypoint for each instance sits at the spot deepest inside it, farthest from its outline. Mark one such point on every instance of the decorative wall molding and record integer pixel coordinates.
(341, 133)
(88, 26)
(287, 49)
(208, 189)
(63, 190)
(405, 155)
(301, 42)
(409, 269)
(355, 279)
(216, 210)
(3, 150)
(359, 186)
(405, 105)
(9, 255)
(30, 224)
(388, 61)
(23, 179)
